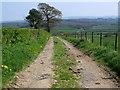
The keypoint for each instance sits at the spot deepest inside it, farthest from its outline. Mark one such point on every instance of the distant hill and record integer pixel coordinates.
(89, 17)
(94, 24)
(15, 24)
(98, 24)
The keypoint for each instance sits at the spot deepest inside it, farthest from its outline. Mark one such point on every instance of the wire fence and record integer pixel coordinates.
(107, 39)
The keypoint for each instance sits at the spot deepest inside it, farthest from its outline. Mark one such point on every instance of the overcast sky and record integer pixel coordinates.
(19, 10)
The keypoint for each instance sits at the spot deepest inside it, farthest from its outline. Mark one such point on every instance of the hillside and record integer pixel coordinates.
(15, 24)
(98, 24)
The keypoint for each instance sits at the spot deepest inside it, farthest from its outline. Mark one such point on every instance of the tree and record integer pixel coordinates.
(34, 18)
(50, 15)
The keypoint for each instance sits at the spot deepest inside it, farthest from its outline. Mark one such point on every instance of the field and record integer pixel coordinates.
(108, 42)
(20, 47)
(88, 25)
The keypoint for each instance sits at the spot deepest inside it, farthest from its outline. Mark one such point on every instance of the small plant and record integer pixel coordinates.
(6, 68)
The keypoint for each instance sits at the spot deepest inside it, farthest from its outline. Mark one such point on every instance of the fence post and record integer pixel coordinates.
(101, 39)
(86, 35)
(75, 35)
(116, 42)
(78, 35)
(81, 35)
(66, 35)
(92, 37)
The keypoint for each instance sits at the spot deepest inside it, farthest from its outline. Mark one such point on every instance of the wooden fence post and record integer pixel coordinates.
(78, 36)
(101, 39)
(75, 34)
(116, 41)
(81, 35)
(86, 35)
(66, 34)
(92, 37)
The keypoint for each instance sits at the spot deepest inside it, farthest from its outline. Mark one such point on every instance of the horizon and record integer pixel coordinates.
(73, 17)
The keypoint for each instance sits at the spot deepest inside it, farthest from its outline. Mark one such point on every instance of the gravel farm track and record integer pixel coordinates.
(92, 76)
(40, 73)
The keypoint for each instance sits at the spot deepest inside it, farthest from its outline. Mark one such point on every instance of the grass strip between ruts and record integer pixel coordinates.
(64, 78)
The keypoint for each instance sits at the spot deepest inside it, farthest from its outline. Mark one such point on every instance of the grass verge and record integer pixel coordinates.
(64, 78)
(20, 48)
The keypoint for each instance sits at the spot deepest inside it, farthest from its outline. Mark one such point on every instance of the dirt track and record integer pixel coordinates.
(39, 74)
(92, 76)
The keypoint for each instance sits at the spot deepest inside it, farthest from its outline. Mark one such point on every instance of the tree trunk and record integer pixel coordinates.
(48, 25)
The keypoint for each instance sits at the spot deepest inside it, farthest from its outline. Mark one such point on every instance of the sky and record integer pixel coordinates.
(12, 11)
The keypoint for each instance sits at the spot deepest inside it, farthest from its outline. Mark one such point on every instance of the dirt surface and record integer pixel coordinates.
(91, 75)
(39, 74)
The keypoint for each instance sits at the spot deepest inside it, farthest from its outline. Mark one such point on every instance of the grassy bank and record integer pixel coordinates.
(103, 55)
(20, 48)
(64, 77)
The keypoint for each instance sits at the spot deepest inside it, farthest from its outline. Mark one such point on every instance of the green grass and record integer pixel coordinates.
(103, 55)
(63, 76)
(106, 27)
(20, 48)
(65, 30)
(108, 42)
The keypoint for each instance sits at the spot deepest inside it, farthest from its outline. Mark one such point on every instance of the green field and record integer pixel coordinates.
(108, 42)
